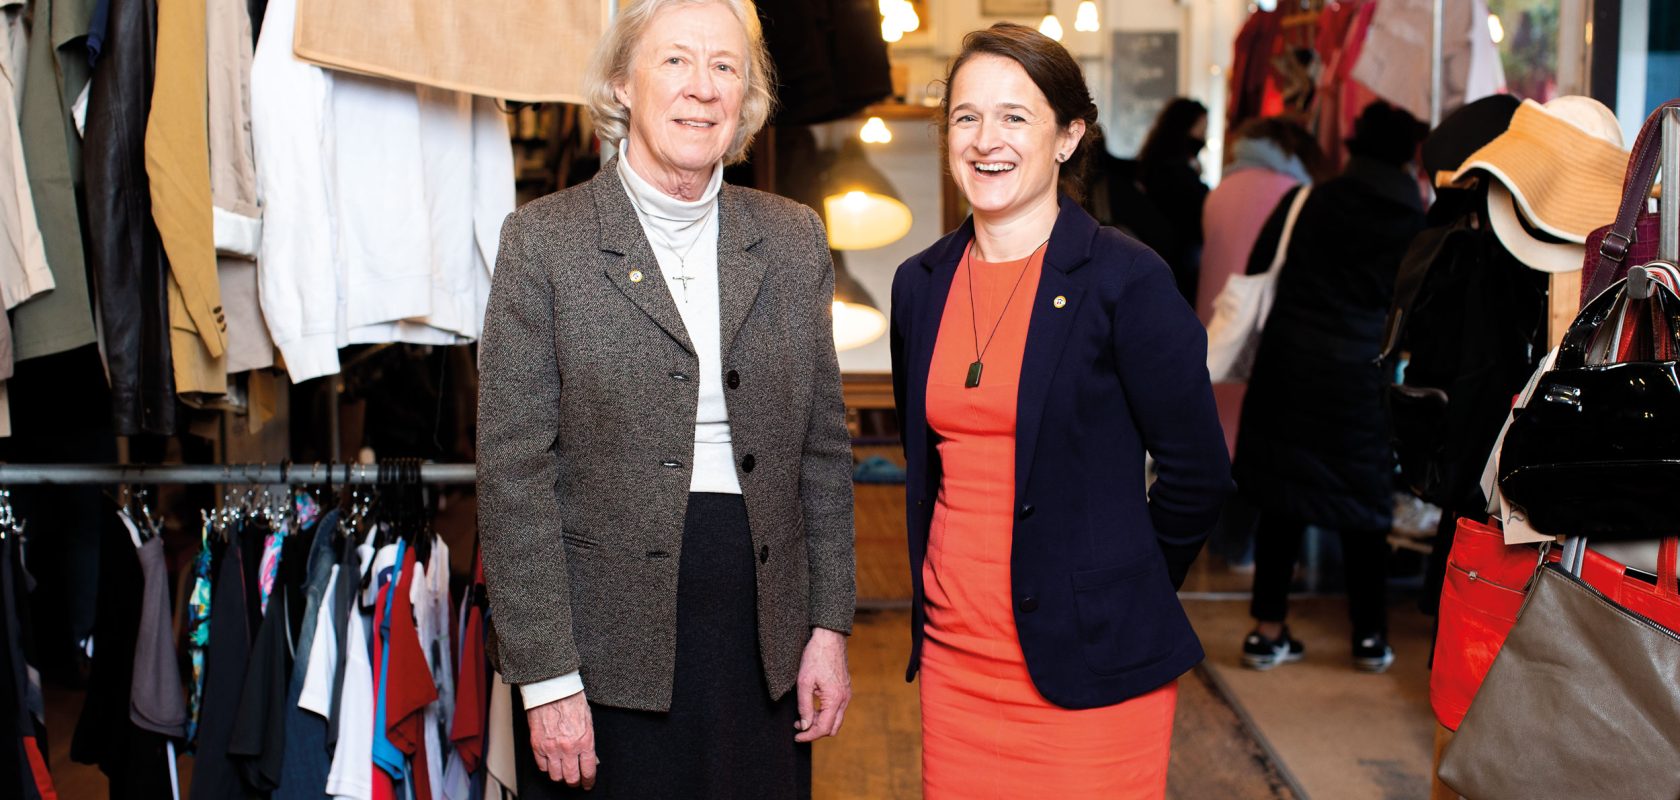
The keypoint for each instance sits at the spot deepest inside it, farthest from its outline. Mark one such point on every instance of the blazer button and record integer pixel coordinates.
(1028, 604)
(1025, 511)
(671, 463)
(734, 379)
(764, 554)
(748, 463)
(679, 376)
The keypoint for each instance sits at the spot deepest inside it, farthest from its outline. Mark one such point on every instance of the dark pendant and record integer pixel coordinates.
(974, 374)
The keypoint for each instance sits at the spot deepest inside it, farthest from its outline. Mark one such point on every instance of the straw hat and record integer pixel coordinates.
(1561, 162)
(1529, 245)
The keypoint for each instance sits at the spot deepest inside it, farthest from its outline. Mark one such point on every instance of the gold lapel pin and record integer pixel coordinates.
(1061, 300)
(635, 276)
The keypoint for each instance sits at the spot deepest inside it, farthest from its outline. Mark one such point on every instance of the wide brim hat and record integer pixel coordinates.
(1562, 162)
(1533, 248)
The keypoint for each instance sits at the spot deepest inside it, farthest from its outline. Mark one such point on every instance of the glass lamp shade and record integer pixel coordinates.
(860, 207)
(857, 320)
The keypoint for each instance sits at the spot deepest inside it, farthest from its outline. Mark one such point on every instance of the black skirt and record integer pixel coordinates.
(723, 737)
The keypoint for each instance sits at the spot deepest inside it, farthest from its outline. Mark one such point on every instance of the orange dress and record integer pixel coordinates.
(986, 731)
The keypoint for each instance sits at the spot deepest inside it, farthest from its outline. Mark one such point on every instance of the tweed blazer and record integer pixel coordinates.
(587, 402)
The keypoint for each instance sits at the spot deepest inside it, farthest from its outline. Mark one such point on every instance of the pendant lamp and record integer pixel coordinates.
(857, 317)
(860, 207)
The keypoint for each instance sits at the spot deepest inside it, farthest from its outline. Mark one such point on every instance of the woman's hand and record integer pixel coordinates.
(563, 740)
(825, 687)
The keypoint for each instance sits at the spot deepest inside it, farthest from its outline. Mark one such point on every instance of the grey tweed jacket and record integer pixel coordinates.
(586, 413)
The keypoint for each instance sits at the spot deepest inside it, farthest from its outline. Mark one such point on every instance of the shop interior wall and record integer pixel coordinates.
(1205, 31)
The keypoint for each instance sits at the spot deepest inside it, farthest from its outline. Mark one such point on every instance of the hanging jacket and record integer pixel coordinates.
(125, 256)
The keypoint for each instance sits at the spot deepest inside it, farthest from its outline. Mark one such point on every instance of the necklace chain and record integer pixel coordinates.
(682, 258)
(975, 369)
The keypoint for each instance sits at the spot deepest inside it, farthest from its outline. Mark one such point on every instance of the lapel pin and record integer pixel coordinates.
(635, 276)
(1061, 300)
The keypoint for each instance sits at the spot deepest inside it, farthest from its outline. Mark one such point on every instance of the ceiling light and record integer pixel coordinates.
(875, 131)
(889, 31)
(1051, 27)
(1086, 18)
(857, 317)
(906, 17)
(862, 209)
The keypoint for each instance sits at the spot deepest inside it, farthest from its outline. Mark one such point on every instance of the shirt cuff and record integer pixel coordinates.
(542, 693)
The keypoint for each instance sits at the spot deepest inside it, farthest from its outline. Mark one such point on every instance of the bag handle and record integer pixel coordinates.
(1577, 341)
(1667, 568)
(1636, 188)
(1289, 228)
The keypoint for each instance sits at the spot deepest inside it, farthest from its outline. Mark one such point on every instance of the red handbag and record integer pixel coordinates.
(1485, 585)
(1631, 240)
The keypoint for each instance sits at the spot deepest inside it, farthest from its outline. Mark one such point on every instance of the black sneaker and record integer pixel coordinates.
(1372, 653)
(1261, 653)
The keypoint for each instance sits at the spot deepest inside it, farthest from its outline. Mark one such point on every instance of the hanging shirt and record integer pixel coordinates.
(472, 699)
(198, 628)
(498, 744)
(386, 756)
(155, 701)
(351, 776)
(408, 686)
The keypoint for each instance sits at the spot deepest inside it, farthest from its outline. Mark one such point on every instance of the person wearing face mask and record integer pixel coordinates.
(1170, 172)
(664, 465)
(1312, 446)
(1036, 357)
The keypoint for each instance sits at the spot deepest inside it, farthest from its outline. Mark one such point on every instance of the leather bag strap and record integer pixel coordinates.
(1577, 341)
(1636, 188)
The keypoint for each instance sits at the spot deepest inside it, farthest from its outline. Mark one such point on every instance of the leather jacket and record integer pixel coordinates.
(125, 254)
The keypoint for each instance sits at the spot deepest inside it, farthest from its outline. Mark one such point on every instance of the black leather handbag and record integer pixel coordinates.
(1596, 452)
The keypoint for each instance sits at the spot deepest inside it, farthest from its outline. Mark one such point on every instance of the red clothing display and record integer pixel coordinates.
(472, 689)
(408, 683)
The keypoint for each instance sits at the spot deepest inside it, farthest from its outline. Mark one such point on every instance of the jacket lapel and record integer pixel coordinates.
(740, 270)
(629, 256)
(941, 262)
(1069, 249)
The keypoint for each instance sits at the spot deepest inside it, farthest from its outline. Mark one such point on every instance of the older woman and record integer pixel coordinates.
(1036, 358)
(665, 471)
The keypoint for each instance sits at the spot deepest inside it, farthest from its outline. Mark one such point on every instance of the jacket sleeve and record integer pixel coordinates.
(1161, 354)
(825, 476)
(519, 504)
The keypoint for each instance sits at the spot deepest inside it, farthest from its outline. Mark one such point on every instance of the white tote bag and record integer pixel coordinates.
(1240, 310)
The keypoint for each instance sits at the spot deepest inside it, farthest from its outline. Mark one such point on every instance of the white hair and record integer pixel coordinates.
(610, 68)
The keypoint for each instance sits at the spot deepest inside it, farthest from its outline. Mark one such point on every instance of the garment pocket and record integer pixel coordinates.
(577, 542)
(1122, 621)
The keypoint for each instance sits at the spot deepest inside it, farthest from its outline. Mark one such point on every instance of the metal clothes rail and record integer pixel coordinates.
(257, 474)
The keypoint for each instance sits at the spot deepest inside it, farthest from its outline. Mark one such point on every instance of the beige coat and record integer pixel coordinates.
(530, 50)
(178, 164)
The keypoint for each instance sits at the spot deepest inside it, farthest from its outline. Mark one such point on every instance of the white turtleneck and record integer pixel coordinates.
(684, 238)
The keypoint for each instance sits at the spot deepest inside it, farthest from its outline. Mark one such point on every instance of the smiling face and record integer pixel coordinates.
(1003, 141)
(684, 90)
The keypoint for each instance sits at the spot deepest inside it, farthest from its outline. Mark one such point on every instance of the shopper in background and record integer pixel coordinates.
(1170, 171)
(1313, 448)
(1036, 356)
(665, 472)
(1268, 158)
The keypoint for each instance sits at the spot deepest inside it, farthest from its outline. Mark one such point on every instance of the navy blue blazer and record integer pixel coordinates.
(1119, 370)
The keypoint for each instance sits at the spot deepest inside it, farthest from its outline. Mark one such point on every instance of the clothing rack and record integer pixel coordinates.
(254, 474)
